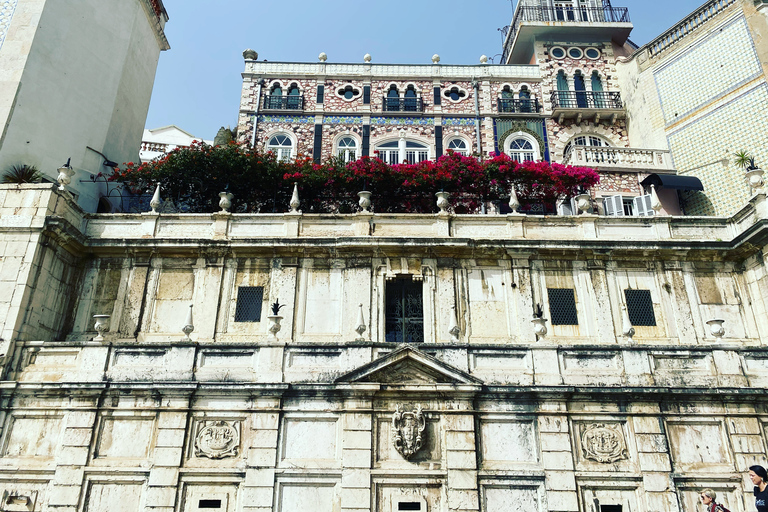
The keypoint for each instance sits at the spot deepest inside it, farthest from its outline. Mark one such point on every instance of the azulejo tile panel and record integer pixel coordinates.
(342, 120)
(702, 147)
(423, 121)
(287, 119)
(459, 121)
(715, 66)
(7, 8)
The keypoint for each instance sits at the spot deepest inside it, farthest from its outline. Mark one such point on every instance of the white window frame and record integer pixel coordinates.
(280, 151)
(347, 154)
(467, 151)
(528, 137)
(403, 153)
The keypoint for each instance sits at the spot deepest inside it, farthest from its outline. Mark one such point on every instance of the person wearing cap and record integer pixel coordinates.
(759, 477)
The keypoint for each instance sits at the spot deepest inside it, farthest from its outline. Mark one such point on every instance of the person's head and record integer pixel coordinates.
(758, 474)
(708, 496)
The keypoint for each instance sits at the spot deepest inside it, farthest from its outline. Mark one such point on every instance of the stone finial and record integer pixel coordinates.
(655, 203)
(189, 326)
(360, 328)
(453, 328)
(483, 59)
(65, 175)
(435, 59)
(322, 57)
(367, 57)
(514, 202)
(295, 203)
(626, 325)
(156, 202)
(250, 54)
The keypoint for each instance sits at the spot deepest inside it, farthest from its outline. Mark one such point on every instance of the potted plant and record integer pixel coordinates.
(753, 173)
(275, 318)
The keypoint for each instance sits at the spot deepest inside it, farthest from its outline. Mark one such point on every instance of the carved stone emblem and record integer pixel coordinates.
(603, 443)
(407, 431)
(217, 440)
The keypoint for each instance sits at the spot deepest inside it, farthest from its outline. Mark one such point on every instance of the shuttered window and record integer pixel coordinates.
(249, 299)
(640, 307)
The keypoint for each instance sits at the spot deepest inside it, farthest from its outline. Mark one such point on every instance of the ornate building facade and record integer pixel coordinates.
(603, 362)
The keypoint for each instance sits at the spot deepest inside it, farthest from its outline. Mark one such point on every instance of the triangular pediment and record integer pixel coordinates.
(409, 366)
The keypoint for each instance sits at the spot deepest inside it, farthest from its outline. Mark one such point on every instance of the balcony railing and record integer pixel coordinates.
(565, 14)
(586, 100)
(272, 102)
(512, 106)
(653, 160)
(402, 105)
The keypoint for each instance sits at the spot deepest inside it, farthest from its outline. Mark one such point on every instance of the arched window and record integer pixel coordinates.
(525, 100)
(522, 147)
(411, 101)
(506, 93)
(593, 149)
(393, 99)
(275, 100)
(458, 146)
(597, 89)
(281, 145)
(294, 97)
(347, 149)
(400, 151)
(562, 81)
(580, 87)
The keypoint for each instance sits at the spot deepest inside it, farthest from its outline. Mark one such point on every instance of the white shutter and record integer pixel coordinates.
(566, 207)
(614, 206)
(642, 206)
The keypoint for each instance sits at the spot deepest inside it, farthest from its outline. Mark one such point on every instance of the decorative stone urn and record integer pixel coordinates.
(274, 325)
(65, 175)
(755, 178)
(365, 201)
(442, 202)
(716, 328)
(583, 203)
(539, 326)
(101, 326)
(225, 203)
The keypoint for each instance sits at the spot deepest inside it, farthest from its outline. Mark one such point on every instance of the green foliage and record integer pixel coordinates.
(744, 160)
(22, 174)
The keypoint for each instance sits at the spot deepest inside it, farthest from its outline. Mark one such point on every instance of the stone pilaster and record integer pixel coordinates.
(461, 462)
(168, 454)
(356, 457)
(260, 448)
(654, 459)
(557, 459)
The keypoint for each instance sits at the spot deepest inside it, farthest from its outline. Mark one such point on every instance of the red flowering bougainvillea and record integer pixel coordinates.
(194, 176)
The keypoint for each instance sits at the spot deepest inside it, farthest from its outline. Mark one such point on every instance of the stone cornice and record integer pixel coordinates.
(157, 17)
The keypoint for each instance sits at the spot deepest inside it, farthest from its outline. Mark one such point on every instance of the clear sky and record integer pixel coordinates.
(198, 80)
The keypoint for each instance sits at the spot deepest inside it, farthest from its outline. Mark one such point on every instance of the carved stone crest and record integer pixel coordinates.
(603, 443)
(217, 440)
(408, 430)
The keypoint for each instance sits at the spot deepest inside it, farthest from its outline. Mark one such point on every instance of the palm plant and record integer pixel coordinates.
(22, 173)
(745, 160)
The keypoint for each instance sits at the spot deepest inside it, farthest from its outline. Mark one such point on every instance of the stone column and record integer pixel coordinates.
(461, 462)
(260, 445)
(169, 452)
(72, 455)
(557, 458)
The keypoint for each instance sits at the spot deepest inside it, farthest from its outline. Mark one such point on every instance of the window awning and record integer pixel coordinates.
(673, 181)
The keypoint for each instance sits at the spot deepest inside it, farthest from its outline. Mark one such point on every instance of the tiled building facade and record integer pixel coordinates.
(432, 363)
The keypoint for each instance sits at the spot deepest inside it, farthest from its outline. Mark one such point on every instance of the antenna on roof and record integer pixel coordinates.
(606, 4)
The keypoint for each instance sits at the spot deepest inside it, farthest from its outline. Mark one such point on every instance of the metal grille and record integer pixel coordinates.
(249, 299)
(640, 307)
(562, 306)
(405, 311)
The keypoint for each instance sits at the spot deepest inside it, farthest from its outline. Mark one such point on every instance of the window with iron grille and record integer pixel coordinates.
(404, 311)
(640, 307)
(249, 300)
(562, 306)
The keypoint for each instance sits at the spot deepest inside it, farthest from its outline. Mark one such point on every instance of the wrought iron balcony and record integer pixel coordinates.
(586, 100)
(563, 14)
(272, 102)
(402, 105)
(512, 106)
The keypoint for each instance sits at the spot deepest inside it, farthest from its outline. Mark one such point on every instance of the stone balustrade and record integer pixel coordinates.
(612, 158)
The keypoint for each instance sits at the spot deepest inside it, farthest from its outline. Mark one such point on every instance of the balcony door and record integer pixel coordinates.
(404, 311)
(581, 90)
(564, 11)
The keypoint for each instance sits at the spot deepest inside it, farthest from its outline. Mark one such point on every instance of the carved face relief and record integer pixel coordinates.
(603, 443)
(217, 440)
(407, 431)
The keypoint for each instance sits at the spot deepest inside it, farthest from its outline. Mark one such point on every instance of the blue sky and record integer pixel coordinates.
(198, 80)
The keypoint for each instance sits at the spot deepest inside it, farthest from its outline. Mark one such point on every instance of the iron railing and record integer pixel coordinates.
(512, 106)
(700, 16)
(402, 105)
(272, 102)
(564, 14)
(586, 99)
